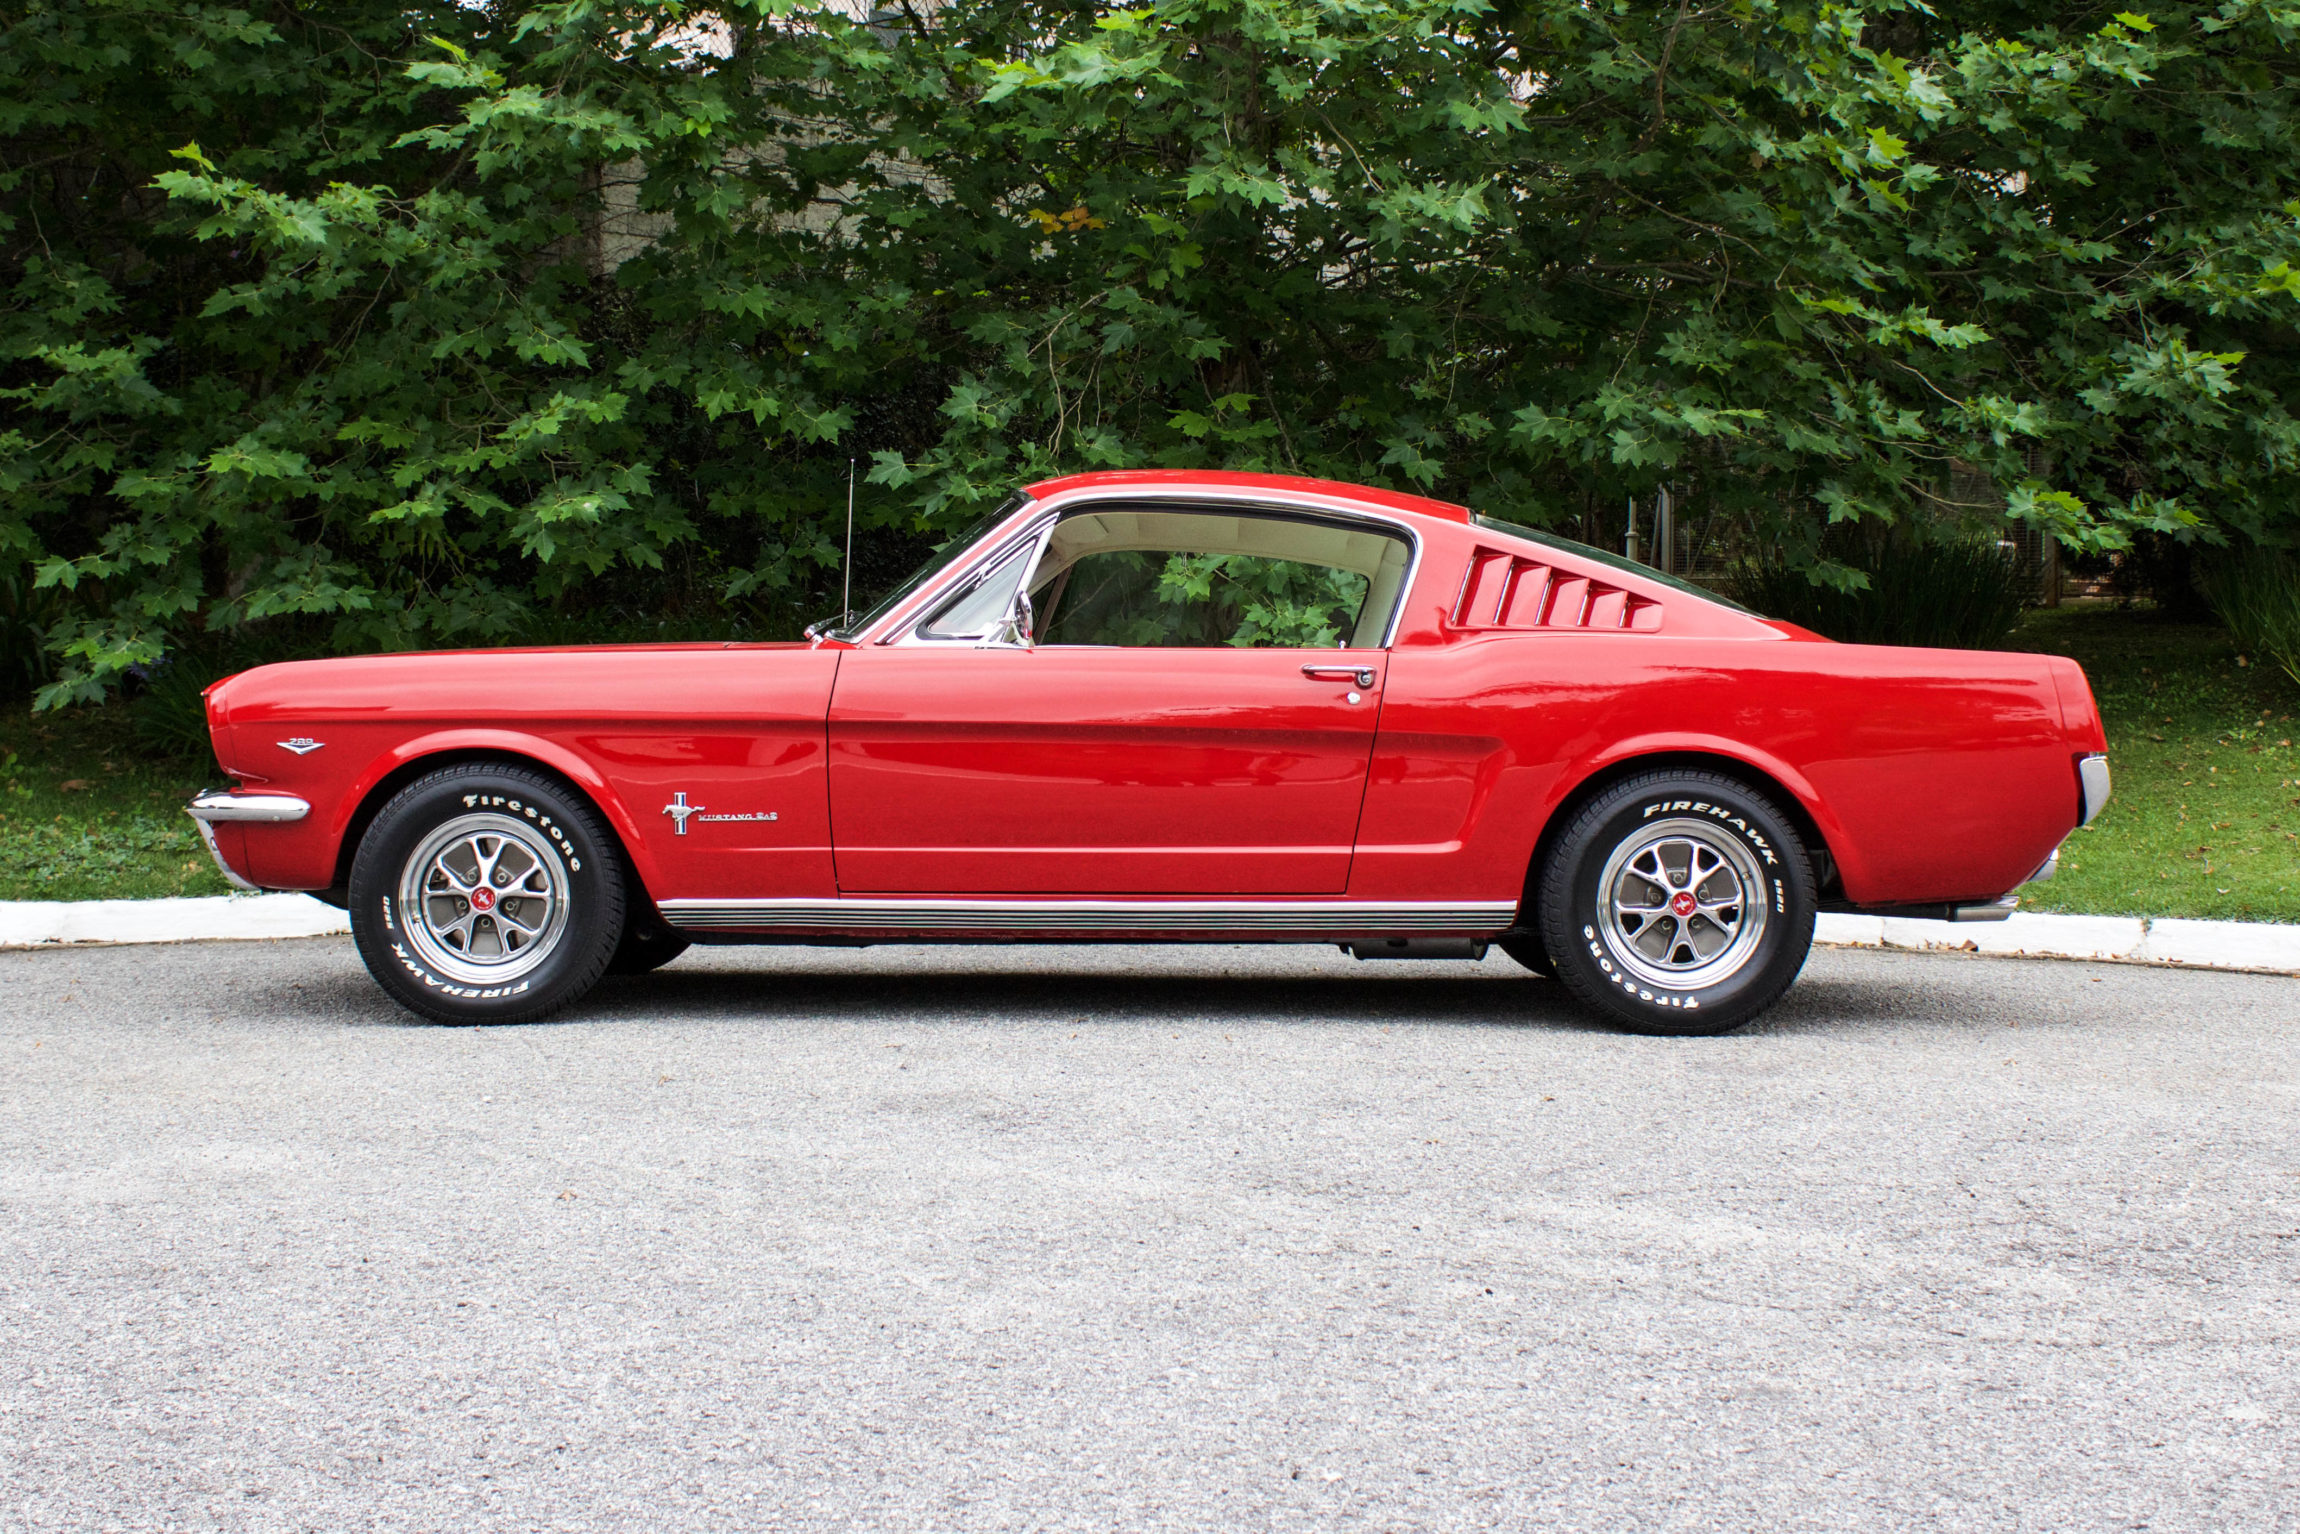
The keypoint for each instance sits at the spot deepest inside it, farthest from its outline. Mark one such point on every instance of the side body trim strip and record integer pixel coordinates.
(1321, 918)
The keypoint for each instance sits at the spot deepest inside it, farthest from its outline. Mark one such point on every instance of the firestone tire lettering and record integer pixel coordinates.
(566, 824)
(1587, 963)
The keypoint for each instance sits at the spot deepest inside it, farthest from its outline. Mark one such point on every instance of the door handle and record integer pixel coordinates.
(1362, 675)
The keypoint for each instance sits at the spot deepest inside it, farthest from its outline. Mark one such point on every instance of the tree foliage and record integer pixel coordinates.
(407, 323)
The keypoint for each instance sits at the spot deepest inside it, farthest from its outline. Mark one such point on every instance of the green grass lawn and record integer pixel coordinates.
(87, 814)
(2205, 820)
(2205, 816)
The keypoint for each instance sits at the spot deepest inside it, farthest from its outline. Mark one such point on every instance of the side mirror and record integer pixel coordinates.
(1020, 628)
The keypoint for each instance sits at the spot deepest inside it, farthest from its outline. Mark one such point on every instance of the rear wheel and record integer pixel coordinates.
(1678, 903)
(486, 894)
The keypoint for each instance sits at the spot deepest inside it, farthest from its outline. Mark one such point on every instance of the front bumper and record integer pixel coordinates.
(212, 807)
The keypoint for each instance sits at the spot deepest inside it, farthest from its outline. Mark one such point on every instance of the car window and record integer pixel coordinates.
(979, 607)
(1165, 579)
(942, 559)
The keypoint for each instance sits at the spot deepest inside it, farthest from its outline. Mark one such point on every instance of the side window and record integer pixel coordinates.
(1207, 579)
(979, 607)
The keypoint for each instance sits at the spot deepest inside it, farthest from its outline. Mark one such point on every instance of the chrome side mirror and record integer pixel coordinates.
(1019, 630)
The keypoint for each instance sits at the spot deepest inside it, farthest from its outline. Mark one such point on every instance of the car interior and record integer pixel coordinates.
(1128, 576)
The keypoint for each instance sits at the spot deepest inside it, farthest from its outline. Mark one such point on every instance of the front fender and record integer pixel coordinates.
(306, 856)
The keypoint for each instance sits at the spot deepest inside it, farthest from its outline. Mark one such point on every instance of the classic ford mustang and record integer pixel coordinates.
(1170, 706)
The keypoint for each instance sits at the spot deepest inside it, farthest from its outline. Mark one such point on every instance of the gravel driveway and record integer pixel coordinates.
(1133, 1238)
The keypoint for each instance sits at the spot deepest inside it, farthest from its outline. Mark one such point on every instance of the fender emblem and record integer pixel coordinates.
(679, 809)
(302, 745)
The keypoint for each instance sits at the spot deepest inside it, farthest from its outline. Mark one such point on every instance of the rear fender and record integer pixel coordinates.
(1702, 753)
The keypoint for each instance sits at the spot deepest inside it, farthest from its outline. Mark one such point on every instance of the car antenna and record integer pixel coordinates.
(847, 560)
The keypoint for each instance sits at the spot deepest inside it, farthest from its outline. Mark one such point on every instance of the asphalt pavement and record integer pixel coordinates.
(1137, 1238)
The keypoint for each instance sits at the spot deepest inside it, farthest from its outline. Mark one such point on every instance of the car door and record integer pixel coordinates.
(1087, 764)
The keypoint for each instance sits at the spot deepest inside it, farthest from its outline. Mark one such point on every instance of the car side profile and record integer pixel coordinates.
(1166, 706)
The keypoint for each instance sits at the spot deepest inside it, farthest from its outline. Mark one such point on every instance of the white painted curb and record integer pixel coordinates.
(2266, 947)
(51, 923)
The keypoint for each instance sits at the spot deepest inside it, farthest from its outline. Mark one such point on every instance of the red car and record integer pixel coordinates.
(1167, 706)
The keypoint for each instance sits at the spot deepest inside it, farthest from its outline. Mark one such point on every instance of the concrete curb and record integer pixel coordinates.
(54, 923)
(2264, 947)
(2269, 947)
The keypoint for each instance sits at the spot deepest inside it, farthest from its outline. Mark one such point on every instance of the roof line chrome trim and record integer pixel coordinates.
(1309, 918)
(899, 623)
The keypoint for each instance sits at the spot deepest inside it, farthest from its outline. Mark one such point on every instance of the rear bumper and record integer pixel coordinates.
(227, 806)
(1969, 910)
(2092, 786)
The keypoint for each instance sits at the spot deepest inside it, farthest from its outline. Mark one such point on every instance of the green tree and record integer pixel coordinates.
(438, 317)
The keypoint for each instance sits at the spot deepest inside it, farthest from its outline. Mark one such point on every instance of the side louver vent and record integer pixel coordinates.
(1509, 591)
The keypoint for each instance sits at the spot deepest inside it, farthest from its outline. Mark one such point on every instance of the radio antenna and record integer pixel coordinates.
(847, 561)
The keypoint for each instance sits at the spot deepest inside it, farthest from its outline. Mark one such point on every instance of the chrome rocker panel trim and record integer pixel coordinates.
(251, 805)
(1303, 918)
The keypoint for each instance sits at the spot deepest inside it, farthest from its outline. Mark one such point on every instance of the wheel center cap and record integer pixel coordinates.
(1682, 903)
(483, 899)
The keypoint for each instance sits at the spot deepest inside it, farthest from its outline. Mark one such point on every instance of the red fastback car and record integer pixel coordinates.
(1152, 707)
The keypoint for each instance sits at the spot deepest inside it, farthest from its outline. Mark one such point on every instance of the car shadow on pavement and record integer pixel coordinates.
(973, 996)
(1878, 993)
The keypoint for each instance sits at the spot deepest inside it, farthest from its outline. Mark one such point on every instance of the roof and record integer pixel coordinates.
(1284, 484)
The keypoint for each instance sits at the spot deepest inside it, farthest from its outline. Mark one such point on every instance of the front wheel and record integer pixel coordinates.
(486, 894)
(1678, 903)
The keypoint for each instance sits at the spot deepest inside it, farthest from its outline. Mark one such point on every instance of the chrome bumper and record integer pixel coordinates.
(2092, 784)
(249, 804)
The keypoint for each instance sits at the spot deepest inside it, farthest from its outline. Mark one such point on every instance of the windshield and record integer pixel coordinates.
(942, 559)
(1568, 545)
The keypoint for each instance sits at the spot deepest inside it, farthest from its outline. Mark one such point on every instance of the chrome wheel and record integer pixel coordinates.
(484, 899)
(1682, 904)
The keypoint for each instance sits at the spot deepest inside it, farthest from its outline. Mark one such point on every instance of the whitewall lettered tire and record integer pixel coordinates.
(486, 893)
(1678, 903)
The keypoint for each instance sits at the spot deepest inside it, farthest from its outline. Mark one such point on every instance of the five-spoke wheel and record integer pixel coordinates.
(1678, 903)
(486, 893)
(1685, 901)
(491, 904)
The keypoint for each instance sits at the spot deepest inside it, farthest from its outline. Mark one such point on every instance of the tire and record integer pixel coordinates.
(648, 944)
(1528, 950)
(1709, 856)
(539, 937)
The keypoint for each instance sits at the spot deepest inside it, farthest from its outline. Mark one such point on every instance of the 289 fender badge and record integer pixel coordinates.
(302, 745)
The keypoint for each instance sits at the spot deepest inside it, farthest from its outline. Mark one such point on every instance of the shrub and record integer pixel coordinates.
(409, 320)
(1963, 595)
(2256, 592)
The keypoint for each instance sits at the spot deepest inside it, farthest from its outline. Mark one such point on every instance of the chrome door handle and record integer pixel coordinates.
(1362, 675)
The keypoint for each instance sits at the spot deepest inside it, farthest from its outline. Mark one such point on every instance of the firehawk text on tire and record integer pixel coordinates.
(1678, 903)
(486, 894)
